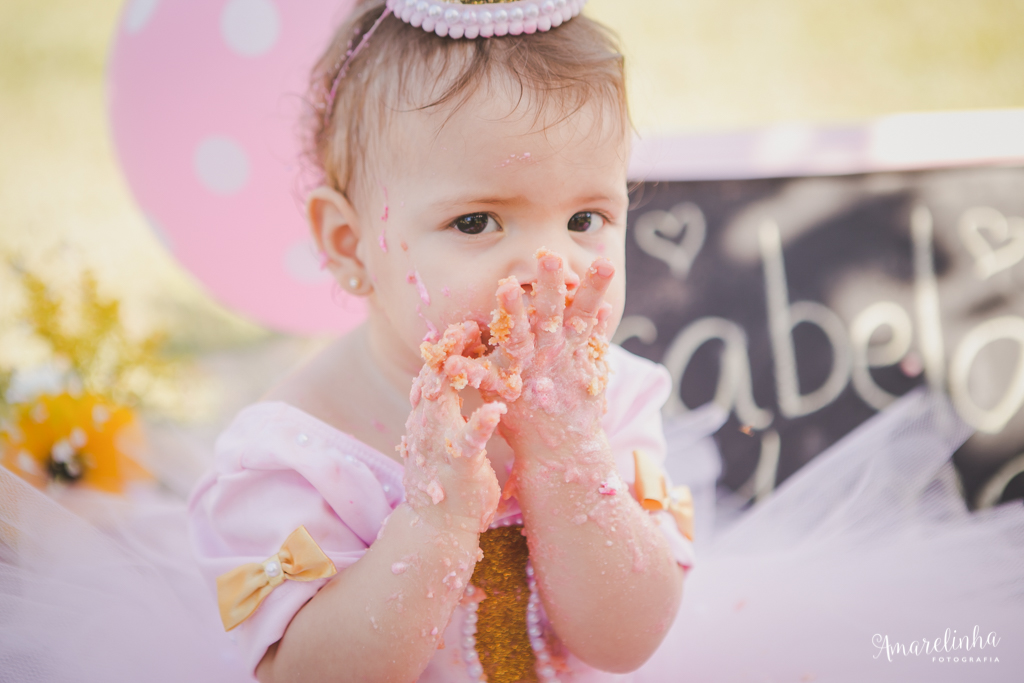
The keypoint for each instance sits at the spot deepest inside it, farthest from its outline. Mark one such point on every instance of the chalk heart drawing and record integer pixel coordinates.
(995, 241)
(675, 237)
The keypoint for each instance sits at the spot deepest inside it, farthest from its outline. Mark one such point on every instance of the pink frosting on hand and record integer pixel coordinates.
(434, 490)
(447, 473)
(562, 361)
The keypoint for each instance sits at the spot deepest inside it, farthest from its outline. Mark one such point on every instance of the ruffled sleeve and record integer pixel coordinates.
(277, 469)
(637, 389)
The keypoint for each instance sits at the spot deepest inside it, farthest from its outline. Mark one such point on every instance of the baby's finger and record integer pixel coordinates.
(474, 372)
(604, 315)
(549, 296)
(478, 430)
(482, 374)
(510, 326)
(597, 352)
(427, 385)
(433, 380)
(581, 316)
(456, 339)
(434, 387)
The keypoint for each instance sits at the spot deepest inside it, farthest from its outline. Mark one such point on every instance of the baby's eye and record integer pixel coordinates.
(475, 224)
(586, 221)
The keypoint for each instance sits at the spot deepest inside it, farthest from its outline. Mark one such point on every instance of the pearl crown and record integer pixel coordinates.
(456, 20)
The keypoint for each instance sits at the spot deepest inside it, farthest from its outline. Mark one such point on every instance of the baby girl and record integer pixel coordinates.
(488, 534)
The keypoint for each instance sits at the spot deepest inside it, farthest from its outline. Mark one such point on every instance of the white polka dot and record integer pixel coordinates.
(250, 27)
(221, 165)
(138, 14)
(301, 262)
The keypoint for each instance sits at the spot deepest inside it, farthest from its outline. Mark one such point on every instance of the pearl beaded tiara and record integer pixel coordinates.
(485, 18)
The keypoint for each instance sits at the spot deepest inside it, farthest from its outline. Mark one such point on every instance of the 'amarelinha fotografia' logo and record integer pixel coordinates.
(949, 648)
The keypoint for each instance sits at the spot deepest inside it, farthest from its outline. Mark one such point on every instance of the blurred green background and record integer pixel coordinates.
(693, 65)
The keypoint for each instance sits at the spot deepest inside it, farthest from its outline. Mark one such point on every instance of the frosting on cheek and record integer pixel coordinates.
(384, 216)
(413, 278)
(432, 334)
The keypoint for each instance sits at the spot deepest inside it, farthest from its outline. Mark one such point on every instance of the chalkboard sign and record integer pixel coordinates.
(805, 305)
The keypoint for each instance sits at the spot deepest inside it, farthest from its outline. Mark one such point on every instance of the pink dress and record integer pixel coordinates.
(278, 468)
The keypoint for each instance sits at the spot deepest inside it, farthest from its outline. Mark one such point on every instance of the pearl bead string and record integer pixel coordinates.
(536, 632)
(470, 21)
(534, 628)
(473, 666)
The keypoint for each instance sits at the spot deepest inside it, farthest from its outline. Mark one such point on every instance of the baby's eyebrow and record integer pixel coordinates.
(583, 201)
(601, 197)
(446, 202)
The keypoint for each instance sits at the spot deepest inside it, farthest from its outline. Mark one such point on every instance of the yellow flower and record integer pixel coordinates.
(81, 439)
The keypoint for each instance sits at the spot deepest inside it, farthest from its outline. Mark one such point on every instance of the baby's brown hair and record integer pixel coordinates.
(404, 68)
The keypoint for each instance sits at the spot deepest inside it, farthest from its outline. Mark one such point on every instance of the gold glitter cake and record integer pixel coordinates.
(501, 637)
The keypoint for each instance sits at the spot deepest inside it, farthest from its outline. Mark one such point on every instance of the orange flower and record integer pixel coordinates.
(80, 439)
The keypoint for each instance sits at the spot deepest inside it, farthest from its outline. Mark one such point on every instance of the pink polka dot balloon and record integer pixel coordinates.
(205, 97)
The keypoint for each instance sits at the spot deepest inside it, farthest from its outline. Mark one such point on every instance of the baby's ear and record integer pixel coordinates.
(336, 232)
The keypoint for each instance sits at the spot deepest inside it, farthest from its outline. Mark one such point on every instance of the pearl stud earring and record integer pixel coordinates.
(354, 283)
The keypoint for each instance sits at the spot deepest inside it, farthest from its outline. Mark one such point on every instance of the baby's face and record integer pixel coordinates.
(460, 206)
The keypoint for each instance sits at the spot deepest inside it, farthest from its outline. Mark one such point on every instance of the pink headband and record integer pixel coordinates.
(347, 58)
(483, 19)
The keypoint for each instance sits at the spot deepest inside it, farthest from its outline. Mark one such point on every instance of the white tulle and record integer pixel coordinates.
(870, 540)
(98, 588)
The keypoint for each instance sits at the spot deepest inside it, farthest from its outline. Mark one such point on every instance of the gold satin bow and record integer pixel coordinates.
(653, 493)
(241, 590)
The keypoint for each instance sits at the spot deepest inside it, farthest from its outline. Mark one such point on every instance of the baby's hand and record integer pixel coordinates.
(564, 380)
(448, 479)
(549, 360)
